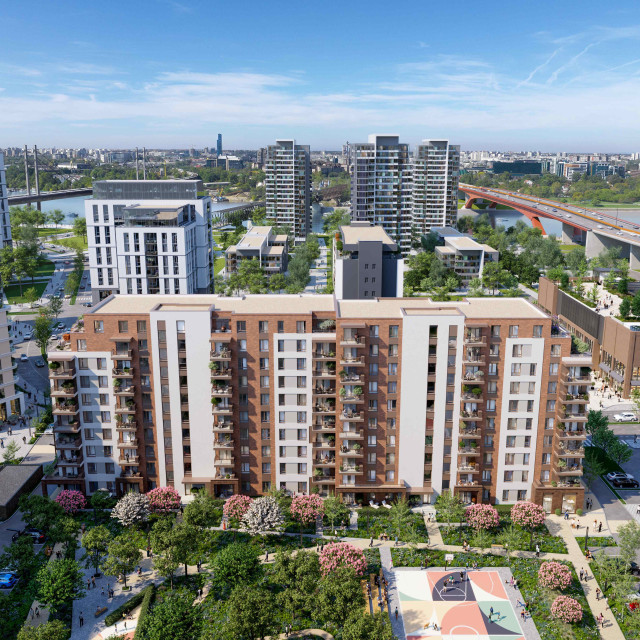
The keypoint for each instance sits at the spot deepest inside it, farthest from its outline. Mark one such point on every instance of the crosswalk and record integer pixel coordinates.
(634, 511)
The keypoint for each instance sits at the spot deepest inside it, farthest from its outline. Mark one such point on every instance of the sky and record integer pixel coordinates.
(545, 75)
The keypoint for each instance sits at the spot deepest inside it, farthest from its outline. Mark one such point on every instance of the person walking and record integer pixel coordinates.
(598, 592)
(581, 575)
(491, 614)
(537, 550)
(24, 439)
(93, 581)
(566, 514)
(600, 527)
(81, 619)
(371, 542)
(396, 613)
(37, 612)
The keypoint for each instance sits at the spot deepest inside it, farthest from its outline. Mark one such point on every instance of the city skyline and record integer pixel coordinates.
(500, 77)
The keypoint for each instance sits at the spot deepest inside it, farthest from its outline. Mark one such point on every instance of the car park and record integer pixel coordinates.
(8, 579)
(625, 416)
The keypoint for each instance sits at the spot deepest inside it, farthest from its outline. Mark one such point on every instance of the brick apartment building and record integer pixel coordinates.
(368, 399)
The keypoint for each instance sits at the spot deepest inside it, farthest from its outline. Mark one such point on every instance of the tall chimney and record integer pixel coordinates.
(26, 169)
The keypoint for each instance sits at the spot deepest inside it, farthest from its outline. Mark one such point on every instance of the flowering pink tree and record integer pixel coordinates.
(306, 509)
(236, 506)
(554, 575)
(163, 499)
(341, 554)
(71, 500)
(566, 609)
(481, 516)
(528, 515)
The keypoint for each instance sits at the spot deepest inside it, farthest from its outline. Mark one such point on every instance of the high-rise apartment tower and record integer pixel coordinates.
(5, 223)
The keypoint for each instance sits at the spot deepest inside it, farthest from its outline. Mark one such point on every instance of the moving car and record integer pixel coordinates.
(39, 362)
(23, 357)
(34, 534)
(625, 416)
(61, 325)
(28, 335)
(8, 579)
(553, 209)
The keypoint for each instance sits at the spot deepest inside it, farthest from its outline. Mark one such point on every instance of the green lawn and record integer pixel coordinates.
(73, 243)
(45, 268)
(51, 232)
(218, 265)
(12, 291)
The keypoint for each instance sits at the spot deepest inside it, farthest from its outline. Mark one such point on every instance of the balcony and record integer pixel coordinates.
(132, 443)
(65, 408)
(70, 427)
(353, 342)
(222, 427)
(469, 433)
(324, 372)
(123, 372)
(68, 443)
(347, 378)
(221, 391)
(468, 482)
(469, 468)
(324, 426)
(61, 371)
(223, 443)
(350, 468)
(471, 415)
(574, 417)
(323, 408)
(469, 451)
(570, 450)
(474, 340)
(352, 435)
(352, 416)
(127, 407)
(126, 425)
(224, 462)
(221, 373)
(219, 409)
(326, 461)
(472, 358)
(225, 476)
(576, 399)
(220, 354)
(131, 475)
(352, 361)
(121, 354)
(324, 445)
(70, 461)
(64, 390)
(324, 355)
(569, 470)
(324, 391)
(566, 434)
(352, 452)
(476, 378)
(323, 479)
(127, 459)
(123, 389)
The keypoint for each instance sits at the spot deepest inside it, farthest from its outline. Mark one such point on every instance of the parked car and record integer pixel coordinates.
(87, 304)
(618, 475)
(626, 483)
(625, 416)
(8, 579)
(34, 534)
(28, 335)
(39, 362)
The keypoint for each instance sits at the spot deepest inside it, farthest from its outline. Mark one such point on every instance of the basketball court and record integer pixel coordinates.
(439, 604)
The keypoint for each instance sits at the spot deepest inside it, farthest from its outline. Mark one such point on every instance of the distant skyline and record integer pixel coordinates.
(162, 73)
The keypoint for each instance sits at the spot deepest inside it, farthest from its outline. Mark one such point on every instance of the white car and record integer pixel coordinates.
(619, 475)
(625, 416)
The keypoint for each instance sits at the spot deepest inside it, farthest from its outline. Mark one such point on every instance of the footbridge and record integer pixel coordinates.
(597, 230)
(28, 198)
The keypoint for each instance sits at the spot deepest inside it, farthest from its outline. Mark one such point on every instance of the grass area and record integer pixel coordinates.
(45, 268)
(541, 536)
(22, 313)
(218, 265)
(14, 296)
(51, 232)
(74, 242)
(525, 571)
(595, 543)
(374, 522)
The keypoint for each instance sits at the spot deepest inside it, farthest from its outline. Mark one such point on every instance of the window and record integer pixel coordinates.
(301, 326)
(491, 405)
(393, 331)
(537, 331)
(372, 423)
(373, 330)
(373, 350)
(513, 331)
(371, 475)
(180, 326)
(390, 476)
(98, 326)
(373, 387)
(549, 423)
(373, 369)
(392, 387)
(123, 326)
(556, 350)
(242, 345)
(495, 331)
(553, 369)
(393, 368)
(264, 381)
(241, 326)
(516, 351)
(263, 326)
(264, 398)
(264, 363)
(280, 326)
(373, 405)
(551, 405)
(265, 434)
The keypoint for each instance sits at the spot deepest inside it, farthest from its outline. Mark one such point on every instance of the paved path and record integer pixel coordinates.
(318, 273)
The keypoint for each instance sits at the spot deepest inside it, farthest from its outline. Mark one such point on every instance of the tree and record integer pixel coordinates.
(71, 500)
(64, 530)
(298, 575)
(400, 516)
(54, 307)
(625, 309)
(123, 556)
(592, 468)
(263, 515)
(595, 421)
(163, 500)
(165, 559)
(251, 614)
(629, 540)
(202, 511)
(132, 509)
(359, 627)
(7, 264)
(277, 282)
(481, 539)
(335, 509)
(59, 581)
(619, 451)
(575, 259)
(99, 501)
(72, 283)
(555, 273)
(475, 288)
(339, 594)
(509, 538)
(96, 544)
(10, 452)
(52, 630)
(635, 304)
(31, 295)
(80, 227)
(342, 554)
(235, 565)
(529, 516)
(450, 508)
(306, 509)
(39, 512)
(20, 557)
(42, 332)
(173, 618)
(493, 275)
(235, 508)
(56, 217)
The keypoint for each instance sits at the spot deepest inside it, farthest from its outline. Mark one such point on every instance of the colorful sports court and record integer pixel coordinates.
(444, 604)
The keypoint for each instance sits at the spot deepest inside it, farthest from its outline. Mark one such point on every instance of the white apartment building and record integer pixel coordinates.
(5, 223)
(406, 195)
(149, 236)
(11, 400)
(288, 187)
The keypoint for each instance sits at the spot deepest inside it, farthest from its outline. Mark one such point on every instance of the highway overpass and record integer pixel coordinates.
(596, 230)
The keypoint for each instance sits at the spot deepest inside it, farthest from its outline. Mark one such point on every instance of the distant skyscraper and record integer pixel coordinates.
(5, 225)
(434, 190)
(219, 144)
(288, 186)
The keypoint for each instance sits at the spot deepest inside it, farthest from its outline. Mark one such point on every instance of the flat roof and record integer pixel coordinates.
(251, 242)
(13, 477)
(447, 232)
(353, 235)
(463, 243)
(273, 250)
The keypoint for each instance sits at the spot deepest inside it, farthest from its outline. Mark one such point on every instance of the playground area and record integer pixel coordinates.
(465, 604)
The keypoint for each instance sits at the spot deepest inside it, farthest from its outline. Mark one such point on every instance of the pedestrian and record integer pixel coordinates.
(396, 613)
(523, 614)
(595, 525)
(88, 584)
(598, 593)
(37, 612)
(2, 443)
(93, 581)
(491, 614)
(600, 527)
(81, 619)
(462, 576)
(537, 550)
(371, 542)
(566, 514)
(266, 556)
(101, 591)
(581, 575)
(519, 604)
(24, 439)
(395, 544)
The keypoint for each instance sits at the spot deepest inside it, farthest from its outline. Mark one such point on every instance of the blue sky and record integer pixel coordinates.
(542, 75)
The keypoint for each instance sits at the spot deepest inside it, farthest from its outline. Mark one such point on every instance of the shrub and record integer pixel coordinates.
(149, 595)
(558, 512)
(128, 606)
(71, 501)
(579, 512)
(554, 575)
(163, 499)
(341, 554)
(481, 516)
(527, 514)
(566, 609)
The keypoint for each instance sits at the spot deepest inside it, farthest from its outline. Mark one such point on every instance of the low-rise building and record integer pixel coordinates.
(260, 243)
(463, 255)
(366, 263)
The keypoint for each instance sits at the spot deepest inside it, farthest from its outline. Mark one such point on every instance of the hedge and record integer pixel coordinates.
(127, 607)
(146, 603)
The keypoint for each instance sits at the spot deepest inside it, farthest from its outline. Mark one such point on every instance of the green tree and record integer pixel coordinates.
(56, 217)
(592, 468)
(277, 282)
(298, 575)
(80, 227)
(165, 560)
(339, 594)
(72, 283)
(31, 295)
(252, 613)
(237, 564)
(54, 307)
(64, 529)
(450, 508)
(481, 539)
(509, 538)
(173, 618)
(635, 304)
(575, 259)
(59, 581)
(335, 509)
(9, 455)
(178, 543)
(595, 421)
(619, 451)
(629, 540)
(555, 274)
(7, 265)
(39, 512)
(400, 516)
(625, 308)
(51, 630)
(124, 555)
(42, 332)
(20, 557)
(359, 627)
(493, 275)
(96, 544)
(202, 511)
(99, 501)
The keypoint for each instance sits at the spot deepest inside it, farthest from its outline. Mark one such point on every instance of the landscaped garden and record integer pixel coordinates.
(398, 521)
